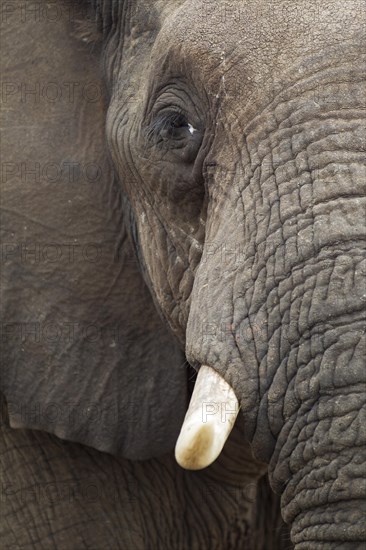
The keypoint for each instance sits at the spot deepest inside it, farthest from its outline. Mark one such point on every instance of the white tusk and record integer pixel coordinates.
(209, 420)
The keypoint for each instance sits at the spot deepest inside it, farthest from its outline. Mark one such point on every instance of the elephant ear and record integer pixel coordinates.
(85, 355)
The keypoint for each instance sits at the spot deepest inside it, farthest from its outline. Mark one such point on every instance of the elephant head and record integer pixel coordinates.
(242, 162)
(237, 141)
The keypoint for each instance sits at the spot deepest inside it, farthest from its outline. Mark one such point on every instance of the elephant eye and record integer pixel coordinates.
(170, 127)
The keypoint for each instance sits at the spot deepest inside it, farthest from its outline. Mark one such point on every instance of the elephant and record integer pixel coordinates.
(183, 234)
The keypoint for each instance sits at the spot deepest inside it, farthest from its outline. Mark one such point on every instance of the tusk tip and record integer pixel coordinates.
(195, 451)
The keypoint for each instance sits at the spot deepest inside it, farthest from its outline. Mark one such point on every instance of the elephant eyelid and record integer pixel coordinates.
(165, 122)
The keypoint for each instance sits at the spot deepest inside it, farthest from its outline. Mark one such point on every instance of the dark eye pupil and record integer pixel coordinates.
(178, 122)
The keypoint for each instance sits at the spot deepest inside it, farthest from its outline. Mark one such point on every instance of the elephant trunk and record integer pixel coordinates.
(319, 457)
(279, 296)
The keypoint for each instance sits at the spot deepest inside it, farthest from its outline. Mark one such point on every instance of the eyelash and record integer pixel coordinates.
(165, 121)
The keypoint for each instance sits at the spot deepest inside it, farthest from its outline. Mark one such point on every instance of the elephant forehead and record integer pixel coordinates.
(258, 33)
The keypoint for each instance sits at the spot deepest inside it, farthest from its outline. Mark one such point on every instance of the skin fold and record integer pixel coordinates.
(232, 144)
(72, 496)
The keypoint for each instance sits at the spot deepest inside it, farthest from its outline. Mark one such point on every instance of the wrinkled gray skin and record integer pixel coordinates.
(237, 140)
